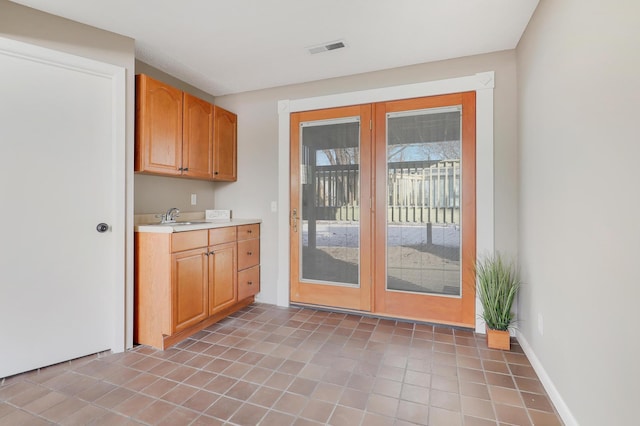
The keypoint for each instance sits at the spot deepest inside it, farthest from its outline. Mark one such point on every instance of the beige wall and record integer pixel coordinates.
(257, 111)
(156, 194)
(31, 26)
(579, 234)
(144, 68)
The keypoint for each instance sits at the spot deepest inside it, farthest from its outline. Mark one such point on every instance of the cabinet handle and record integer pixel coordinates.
(206, 253)
(250, 253)
(180, 168)
(250, 282)
(249, 231)
(186, 169)
(211, 253)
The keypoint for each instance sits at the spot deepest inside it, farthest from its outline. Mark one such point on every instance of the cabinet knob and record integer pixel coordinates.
(249, 231)
(250, 282)
(250, 253)
(215, 173)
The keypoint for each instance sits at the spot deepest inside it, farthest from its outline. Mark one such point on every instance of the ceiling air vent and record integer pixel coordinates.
(325, 47)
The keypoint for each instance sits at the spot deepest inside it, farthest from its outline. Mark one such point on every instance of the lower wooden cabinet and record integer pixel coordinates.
(222, 277)
(189, 288)
(186, 281)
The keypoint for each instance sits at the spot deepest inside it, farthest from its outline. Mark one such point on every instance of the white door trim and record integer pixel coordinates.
(117, 75)
(481, 83)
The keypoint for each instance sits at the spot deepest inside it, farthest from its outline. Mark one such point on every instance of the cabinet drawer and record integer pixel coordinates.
(181, 241)
(248, 282)
(248, 254)
(222, 235)
(246, 232)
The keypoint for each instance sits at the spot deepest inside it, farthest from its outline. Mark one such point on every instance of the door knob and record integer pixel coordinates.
(102, 227)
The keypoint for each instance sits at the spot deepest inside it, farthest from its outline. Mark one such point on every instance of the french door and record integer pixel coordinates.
(331, 221)
(383, 208)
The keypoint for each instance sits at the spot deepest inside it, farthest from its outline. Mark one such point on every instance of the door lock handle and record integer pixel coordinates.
(294, 220)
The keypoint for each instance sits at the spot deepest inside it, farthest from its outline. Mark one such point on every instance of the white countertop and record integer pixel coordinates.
(202, 224)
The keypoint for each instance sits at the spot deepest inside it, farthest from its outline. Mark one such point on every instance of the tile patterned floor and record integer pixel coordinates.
(290, 366)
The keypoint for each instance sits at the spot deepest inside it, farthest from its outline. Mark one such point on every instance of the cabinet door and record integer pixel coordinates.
(158, 127)
(197, 138)
(224, 144)
(189, 298)
(222, 277)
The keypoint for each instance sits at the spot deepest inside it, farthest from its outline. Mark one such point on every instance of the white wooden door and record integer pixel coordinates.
(61, 174)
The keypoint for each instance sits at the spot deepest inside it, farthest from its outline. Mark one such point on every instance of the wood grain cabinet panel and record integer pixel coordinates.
(222, 235)
(189, 288)
(247, 232)
(181, 241)
(158, 127)
(197, 138)
(225, 145)
(248, 253)
(248, 282)
(222, 277)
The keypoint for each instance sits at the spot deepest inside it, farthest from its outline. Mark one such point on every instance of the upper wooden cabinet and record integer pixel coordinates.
(158, 127)
(197, 138)
(225, 126)
(178, 134)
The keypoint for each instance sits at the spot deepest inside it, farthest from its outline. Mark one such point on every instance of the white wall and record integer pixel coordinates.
(579, 233)
(257, 183)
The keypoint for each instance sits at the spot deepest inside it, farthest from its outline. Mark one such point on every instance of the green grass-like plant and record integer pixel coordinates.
(498, 284)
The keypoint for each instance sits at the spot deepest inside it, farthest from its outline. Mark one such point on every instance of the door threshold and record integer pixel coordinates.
(332, 309)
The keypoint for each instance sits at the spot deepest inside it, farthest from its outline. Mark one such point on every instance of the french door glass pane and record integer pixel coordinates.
(330, 210)
(423, 201)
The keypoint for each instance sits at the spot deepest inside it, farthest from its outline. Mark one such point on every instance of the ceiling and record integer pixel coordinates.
(225, 47)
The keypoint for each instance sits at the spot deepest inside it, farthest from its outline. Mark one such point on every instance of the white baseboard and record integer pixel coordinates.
(556, 398)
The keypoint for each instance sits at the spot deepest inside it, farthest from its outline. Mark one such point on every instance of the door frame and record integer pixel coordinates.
(481, 83)
(121, 302)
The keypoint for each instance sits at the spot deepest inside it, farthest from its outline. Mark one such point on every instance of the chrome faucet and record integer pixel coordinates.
(170, 215)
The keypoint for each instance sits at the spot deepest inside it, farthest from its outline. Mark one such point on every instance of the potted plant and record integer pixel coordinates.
(498, 283)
